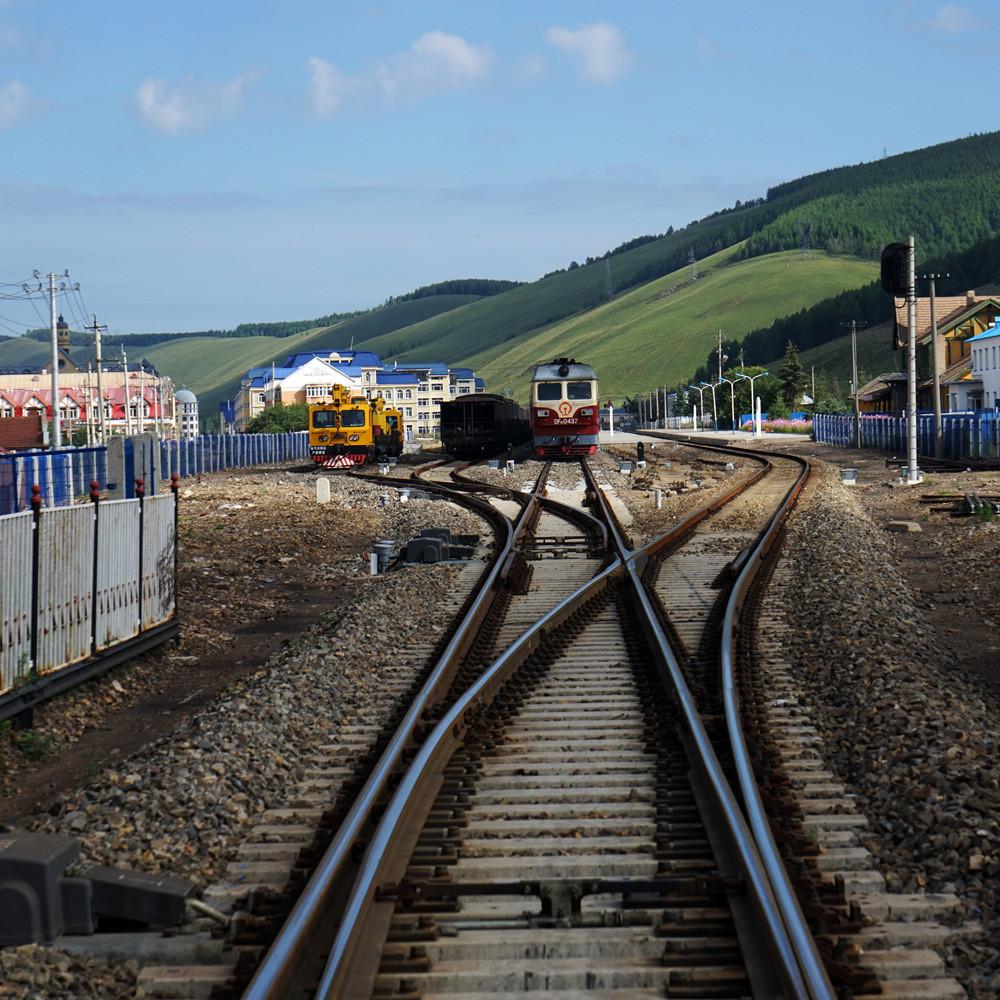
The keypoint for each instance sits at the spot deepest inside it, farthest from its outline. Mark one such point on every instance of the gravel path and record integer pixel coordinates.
(911, 734)
(254, 547)
(687, 482)
(186, 801)
(183, 804)
(33, 973)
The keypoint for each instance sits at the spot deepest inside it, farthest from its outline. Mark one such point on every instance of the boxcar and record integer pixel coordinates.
(482, 424)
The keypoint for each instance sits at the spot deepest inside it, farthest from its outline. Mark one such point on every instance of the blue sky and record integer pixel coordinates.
(198, 165)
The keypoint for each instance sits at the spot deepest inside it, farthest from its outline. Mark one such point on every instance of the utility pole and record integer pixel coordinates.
(720, 355)
(813, 393)
(935, 360)
(913, 472)
(128, 419)
(56, 429)
(854, 384)
(140, 403)
(100, 384)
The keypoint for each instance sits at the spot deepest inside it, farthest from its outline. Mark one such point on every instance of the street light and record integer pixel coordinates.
(701, 393)
(715, 411)
(750, 379)
(732, 400)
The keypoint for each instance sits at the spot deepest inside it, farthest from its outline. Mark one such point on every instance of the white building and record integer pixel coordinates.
(986, 364)
(415, 388)
(188, 405)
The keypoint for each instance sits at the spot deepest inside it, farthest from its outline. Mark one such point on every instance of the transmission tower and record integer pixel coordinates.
(803, 229)
(692, 265)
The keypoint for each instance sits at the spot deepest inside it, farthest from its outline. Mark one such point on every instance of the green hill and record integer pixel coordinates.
(635, 312)
(875, 355)
(213, 368)
(659, 333)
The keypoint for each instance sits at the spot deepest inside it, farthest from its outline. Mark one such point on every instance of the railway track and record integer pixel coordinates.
(570, 806)
(554, 800)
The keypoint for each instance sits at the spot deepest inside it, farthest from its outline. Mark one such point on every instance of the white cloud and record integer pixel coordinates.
(329, 87)
(187, 104)
(529, 68)
(603, 55)
(952, 18)
(16, 103)
(435, 62)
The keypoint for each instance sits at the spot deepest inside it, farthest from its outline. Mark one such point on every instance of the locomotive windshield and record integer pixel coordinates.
(578, 390)
(324, 418)
(352, 418)
(550, 390)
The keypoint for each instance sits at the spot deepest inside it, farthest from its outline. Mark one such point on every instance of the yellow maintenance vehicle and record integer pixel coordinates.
(352, 429)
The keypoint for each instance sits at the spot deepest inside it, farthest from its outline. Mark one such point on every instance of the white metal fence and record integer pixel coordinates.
(79, 581)
(16, 531)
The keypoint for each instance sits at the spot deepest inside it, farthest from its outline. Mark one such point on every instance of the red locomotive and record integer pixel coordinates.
(565, 412)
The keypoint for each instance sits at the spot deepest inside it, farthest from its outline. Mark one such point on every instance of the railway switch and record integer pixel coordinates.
(39, 902)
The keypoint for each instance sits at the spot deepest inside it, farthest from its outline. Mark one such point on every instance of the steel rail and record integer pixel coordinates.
(741, 836)
(285, 958)
(355, 931)
(807, 955)
(386, 859)
(587, 521)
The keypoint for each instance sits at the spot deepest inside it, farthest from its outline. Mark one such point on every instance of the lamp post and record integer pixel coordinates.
(750, 379)
(732, 401)
(701, 393)
(715, 410)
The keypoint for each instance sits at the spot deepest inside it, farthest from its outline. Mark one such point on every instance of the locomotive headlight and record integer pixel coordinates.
(323, 437)
(588, 412)
(354, 437)
(543, 413)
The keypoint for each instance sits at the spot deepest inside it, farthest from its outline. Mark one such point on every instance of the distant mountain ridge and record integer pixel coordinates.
(659, 301)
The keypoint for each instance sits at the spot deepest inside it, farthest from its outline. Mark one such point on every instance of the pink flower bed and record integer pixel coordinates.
(781, 425)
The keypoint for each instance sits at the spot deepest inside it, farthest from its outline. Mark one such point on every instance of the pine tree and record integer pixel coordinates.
(792, 375)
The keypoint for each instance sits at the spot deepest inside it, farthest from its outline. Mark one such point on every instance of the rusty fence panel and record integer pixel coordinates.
(16, 531)
(65, 582)
(158, 547)
(117, 572)
(79, 585)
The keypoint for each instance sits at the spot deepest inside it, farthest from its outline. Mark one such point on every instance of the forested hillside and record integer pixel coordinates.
(650, 307)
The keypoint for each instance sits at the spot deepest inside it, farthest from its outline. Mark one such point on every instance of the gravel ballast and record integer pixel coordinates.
(909, 732)
(185, 802)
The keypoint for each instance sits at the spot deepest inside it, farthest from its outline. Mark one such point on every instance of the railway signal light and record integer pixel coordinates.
(895, 269)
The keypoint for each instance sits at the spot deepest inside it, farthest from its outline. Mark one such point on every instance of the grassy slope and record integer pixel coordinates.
(213, 366)
(654, 336)
(20, 352)
(875, 355)
(340, 336)
(495, 321)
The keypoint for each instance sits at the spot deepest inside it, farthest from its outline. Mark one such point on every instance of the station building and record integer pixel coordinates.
(416, 388)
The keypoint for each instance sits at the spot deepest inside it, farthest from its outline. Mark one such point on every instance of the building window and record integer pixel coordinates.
(409, 411)
(409, 394)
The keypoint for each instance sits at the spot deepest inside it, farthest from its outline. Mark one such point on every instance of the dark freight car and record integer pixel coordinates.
(483, 424)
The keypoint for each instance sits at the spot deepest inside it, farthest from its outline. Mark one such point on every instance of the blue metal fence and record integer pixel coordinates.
(215, 452)
(66, 474)
(963, 435)
(61, 475)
